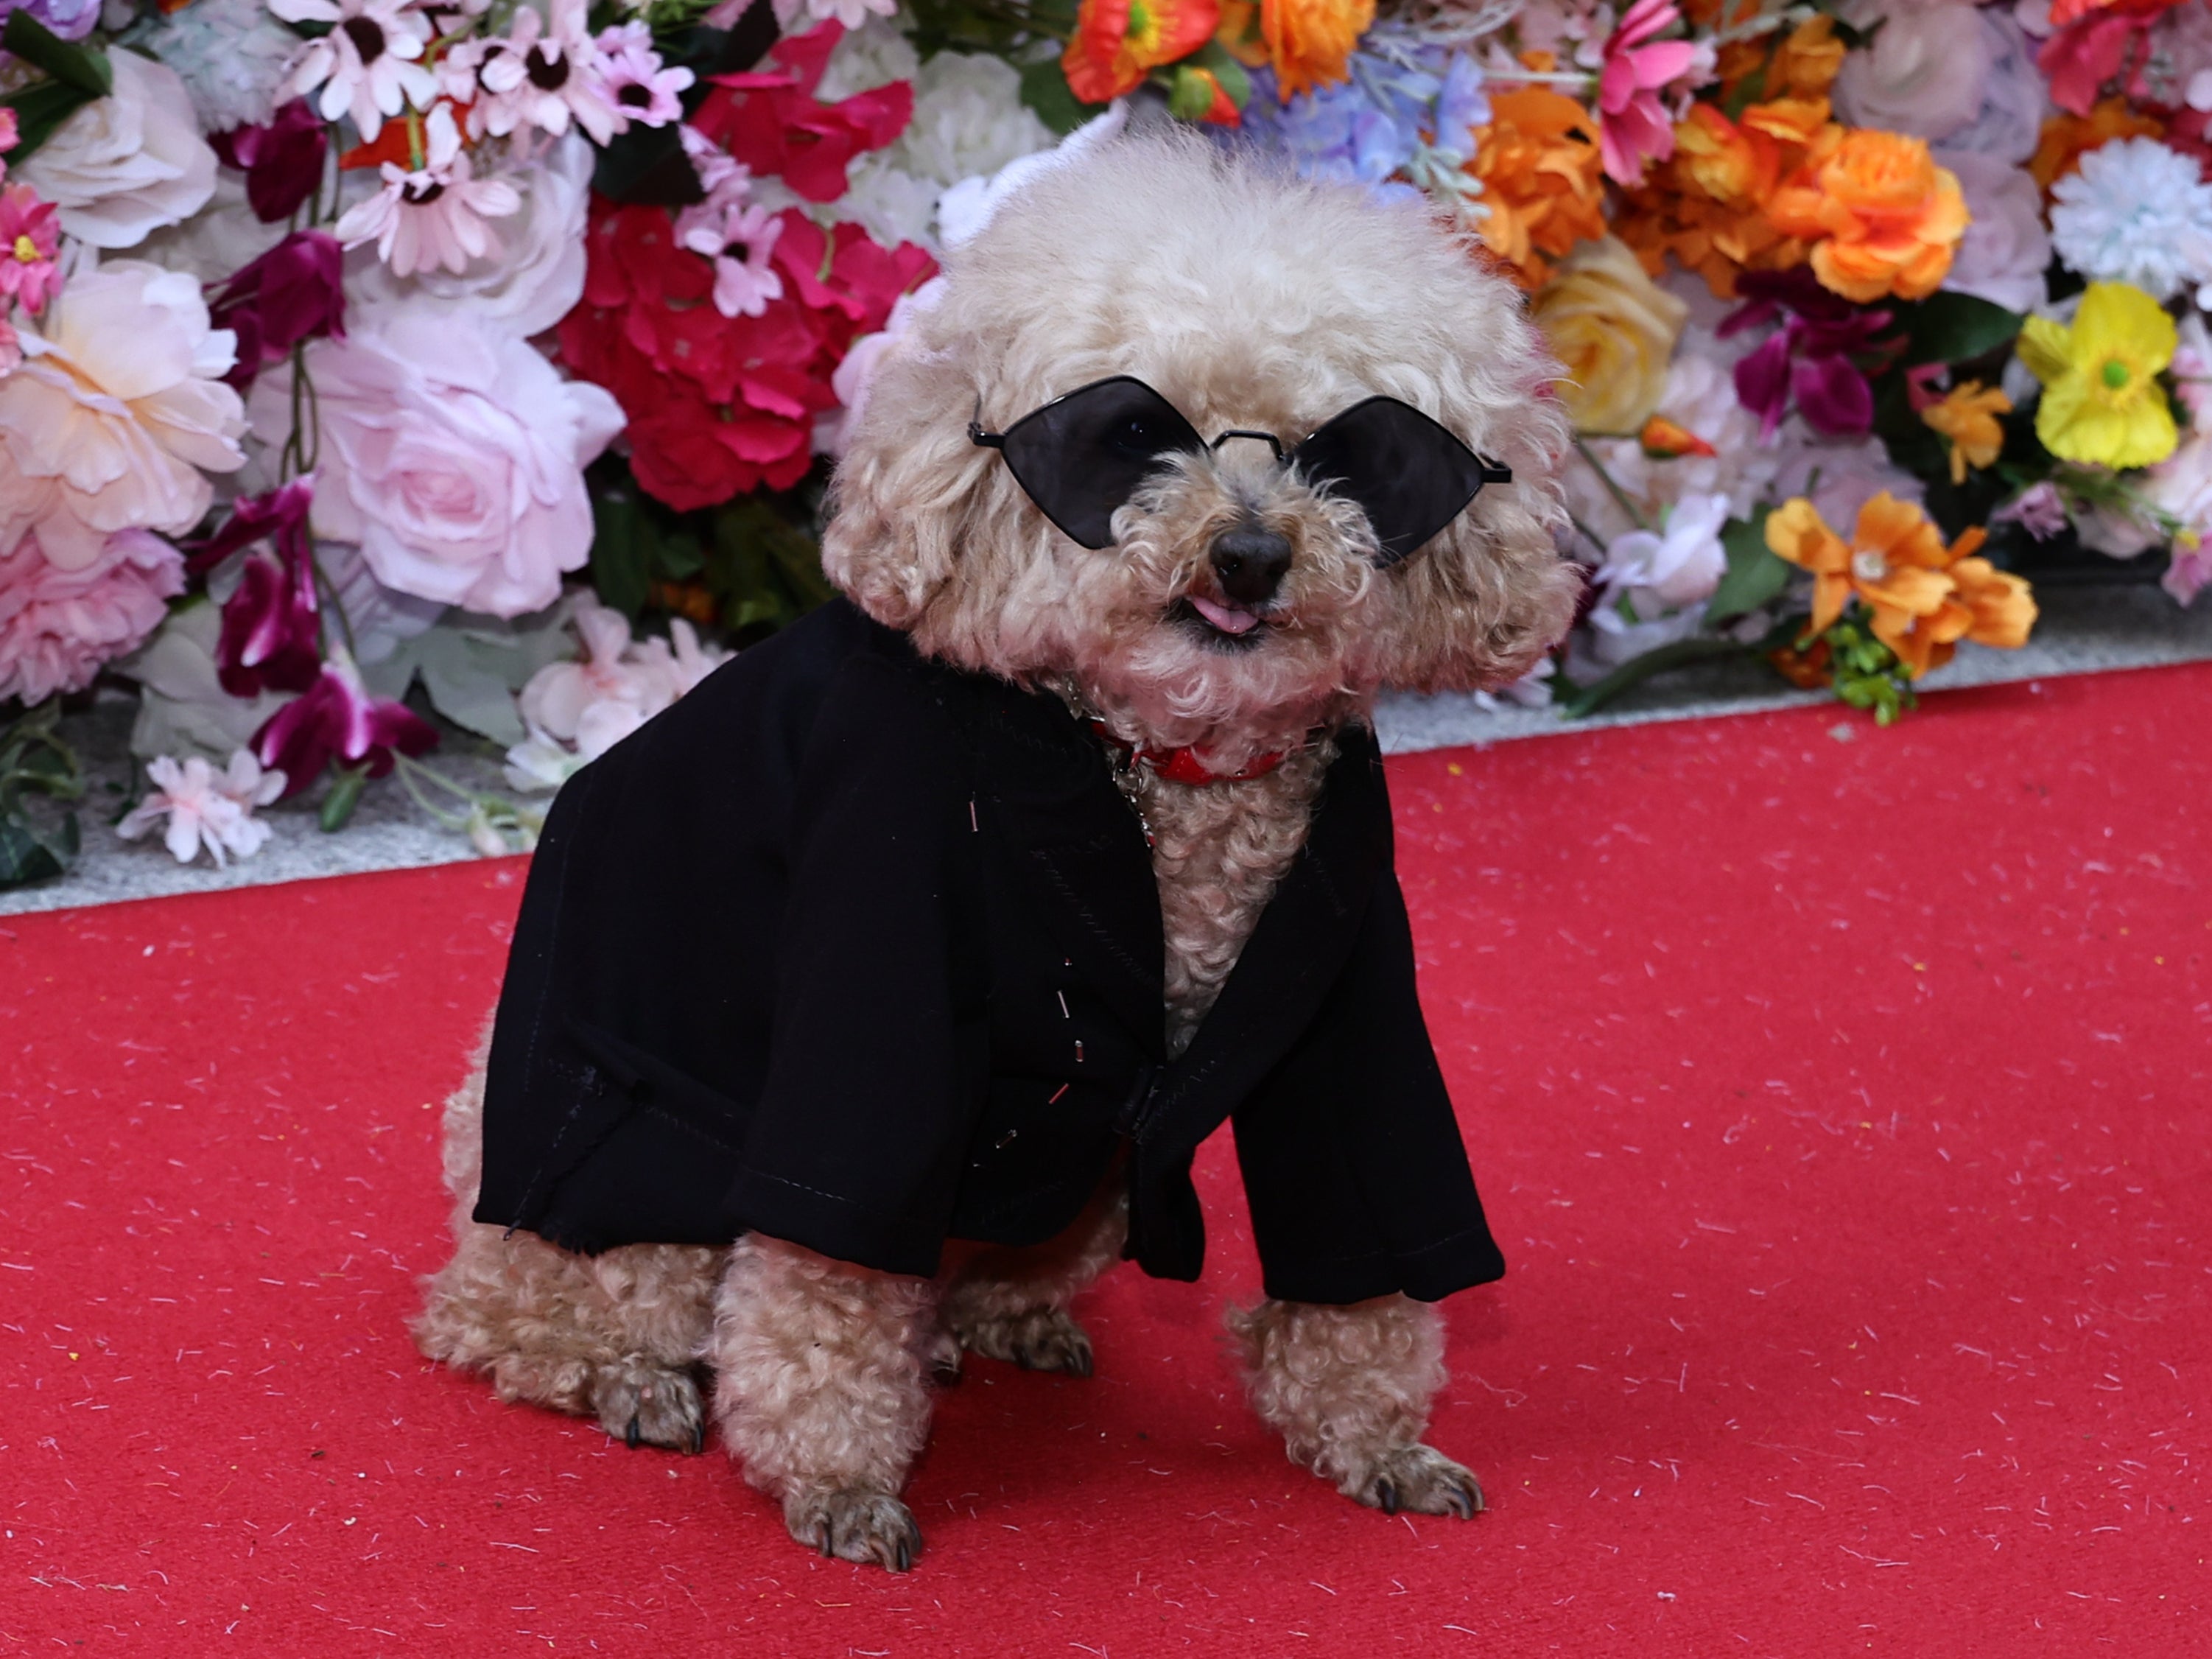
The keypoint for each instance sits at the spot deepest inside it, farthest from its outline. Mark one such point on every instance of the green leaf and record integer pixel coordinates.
(1954, 328)
(344, 796)
(622, 535)
(39, 112)
(23, 857)
(1755, 576)
(1699, 648)
(1045, 90)
(85, 68)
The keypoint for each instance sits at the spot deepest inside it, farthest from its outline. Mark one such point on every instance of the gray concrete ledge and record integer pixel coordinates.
(2082, 630)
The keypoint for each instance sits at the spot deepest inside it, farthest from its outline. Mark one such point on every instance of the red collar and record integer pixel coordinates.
(1183, 765)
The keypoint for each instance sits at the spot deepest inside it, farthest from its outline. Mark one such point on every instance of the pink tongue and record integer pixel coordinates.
(1227, 618)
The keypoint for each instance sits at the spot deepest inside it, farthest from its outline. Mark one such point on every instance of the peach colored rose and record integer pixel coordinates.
(1883, 218)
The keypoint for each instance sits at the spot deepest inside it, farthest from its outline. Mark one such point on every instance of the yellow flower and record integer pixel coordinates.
(1968, 418)
(1615, 329)
(2101, 400)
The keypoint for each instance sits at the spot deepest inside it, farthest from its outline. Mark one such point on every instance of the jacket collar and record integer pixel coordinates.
(1051, 789)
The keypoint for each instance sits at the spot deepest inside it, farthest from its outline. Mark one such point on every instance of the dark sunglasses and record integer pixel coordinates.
(1081, 456)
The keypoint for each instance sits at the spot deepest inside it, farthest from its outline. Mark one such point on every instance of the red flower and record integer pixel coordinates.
(771, 121)
(338, 719)
(718, 405)
(294, 292)
(283, 161)
(272, 627)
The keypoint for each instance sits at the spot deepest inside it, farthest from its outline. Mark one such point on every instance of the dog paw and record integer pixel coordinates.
(642, 1404)
(854, 1525)
(1418, 1479)
(1036, 1340)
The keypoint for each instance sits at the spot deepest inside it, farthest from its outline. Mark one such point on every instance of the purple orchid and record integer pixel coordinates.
(1810, 359)
(294, 292)
(336, 719)
(271, 638)
(282, 161)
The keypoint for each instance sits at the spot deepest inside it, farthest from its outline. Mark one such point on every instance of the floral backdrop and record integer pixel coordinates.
(377, 375)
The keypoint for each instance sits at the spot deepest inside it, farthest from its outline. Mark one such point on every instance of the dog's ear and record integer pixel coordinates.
(903, 496)
(1490, 594)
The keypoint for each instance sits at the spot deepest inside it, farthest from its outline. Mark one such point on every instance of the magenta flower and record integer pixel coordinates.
(1633, 125)
(282, 161)
(30, 234)
(292, 292)
(1810, 360)
(337, 720)
(272, 630)
(9, 134)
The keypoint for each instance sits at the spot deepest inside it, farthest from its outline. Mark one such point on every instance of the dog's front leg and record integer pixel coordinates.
(820, 1394)
(1349, 1389)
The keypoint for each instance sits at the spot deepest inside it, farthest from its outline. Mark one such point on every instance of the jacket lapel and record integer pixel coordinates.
(1046, 790)
(1292, 959)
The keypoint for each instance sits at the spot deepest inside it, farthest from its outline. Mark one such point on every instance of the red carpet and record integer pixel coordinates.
(1839, 1096)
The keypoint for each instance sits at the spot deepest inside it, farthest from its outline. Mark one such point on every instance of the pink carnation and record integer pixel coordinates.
(57, 627)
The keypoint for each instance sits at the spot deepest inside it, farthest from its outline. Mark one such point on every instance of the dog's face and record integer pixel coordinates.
(1239, 602)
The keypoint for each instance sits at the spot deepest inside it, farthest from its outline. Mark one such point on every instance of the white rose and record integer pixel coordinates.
(218, 240)
(1923, 75)
(538, 276)
(117, 408)
(453, 454)
(128, 163)
(2005, 249)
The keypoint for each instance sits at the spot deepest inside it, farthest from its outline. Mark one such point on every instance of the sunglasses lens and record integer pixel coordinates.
(1410, 475)
(1081, 457)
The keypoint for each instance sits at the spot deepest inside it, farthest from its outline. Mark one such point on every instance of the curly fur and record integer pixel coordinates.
(1252, 300)
(1349, 1389)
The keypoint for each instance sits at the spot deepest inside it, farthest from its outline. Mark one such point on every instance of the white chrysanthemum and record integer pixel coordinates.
(969, 118)
(2136, 212)
(231, 56)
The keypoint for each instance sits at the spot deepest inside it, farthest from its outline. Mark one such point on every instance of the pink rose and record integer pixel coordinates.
(452, 454)
(57, 627)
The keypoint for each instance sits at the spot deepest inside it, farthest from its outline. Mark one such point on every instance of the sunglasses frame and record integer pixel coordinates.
(1487, 471)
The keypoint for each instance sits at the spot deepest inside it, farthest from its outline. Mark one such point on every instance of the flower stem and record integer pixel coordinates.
(1619, 495)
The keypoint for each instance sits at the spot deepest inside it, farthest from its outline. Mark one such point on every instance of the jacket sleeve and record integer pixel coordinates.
(1352, 1158)
(878, 1049)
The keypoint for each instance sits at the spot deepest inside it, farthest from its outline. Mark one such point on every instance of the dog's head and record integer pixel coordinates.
(1241, 598)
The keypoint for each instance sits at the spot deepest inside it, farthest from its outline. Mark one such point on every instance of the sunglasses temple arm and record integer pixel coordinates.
(1491, 472)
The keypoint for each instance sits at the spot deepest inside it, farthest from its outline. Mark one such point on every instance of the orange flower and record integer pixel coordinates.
(1539, 164)
(1707, 205)
(1306, 42)
(1886, 217)
(2067, 138)
(1730, 164)
(1663, 440)
(1923, 597)
(1892, 563)
(1967, 416)
(1118, 42)
(1808, 62)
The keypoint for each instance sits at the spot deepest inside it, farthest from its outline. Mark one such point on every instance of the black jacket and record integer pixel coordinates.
(864, 952)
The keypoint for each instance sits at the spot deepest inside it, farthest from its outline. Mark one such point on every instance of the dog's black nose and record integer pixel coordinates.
(1250, 560)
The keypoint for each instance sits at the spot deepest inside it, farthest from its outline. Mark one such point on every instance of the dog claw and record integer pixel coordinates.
(642, 1404)
(1039, 1340)
(1418, 1479)
(854, 1525)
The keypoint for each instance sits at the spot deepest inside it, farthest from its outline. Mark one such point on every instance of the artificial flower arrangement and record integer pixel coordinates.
(368, 361)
